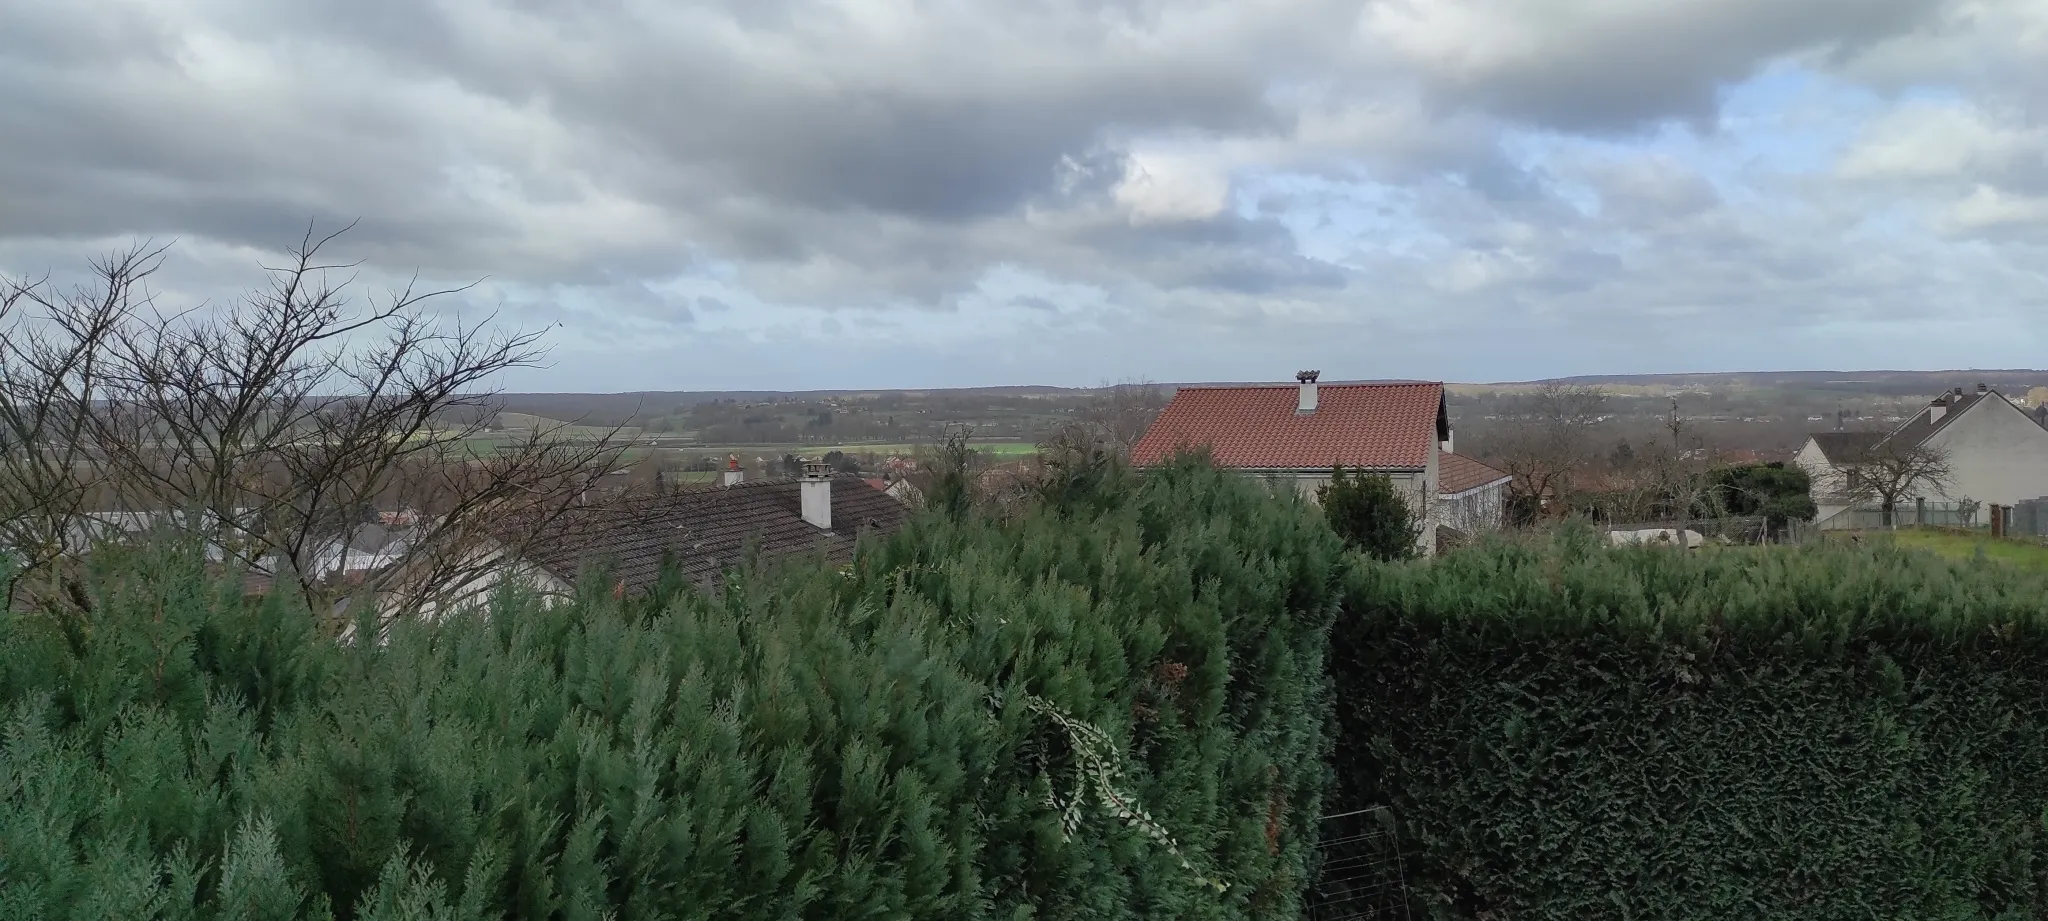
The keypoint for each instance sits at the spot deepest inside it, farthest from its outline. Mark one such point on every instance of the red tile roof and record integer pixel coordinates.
(1386, 426)
(1456, 473)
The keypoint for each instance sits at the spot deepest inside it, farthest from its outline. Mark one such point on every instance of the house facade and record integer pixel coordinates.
(1296, 435)
(1996, 453)
(1471, 496)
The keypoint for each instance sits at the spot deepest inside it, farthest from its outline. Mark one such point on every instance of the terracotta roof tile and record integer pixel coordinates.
(1386, 426)
(1456, 473)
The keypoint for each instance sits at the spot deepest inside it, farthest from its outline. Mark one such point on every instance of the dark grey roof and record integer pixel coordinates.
(1918, 429)
(709, 530)
(1846, 447)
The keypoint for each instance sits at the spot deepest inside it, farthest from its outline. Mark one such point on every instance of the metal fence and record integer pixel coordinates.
(1940, 514)
(1360, 878)
(2029, 518)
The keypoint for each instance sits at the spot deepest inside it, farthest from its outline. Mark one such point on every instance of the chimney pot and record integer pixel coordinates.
(733, 474)
(814, 493)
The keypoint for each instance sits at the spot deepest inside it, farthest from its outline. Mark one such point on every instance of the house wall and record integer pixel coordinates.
(1474, 510)
(1417, 487)
(1828, 483)
(1996, 454)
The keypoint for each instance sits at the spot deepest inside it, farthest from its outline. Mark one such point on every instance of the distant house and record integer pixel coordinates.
(1997, 452)
(1296, 434)
(898, 489)
(1471, 496)
(704, 532)
(1829, 458)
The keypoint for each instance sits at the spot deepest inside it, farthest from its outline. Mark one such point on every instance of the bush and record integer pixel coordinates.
(1777, 492)
(1368, 512)
(1567, 732)
(1087, 714)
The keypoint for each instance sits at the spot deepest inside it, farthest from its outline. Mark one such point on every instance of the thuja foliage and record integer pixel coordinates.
(1570, 732)
(1367, 510)
(1107, 710)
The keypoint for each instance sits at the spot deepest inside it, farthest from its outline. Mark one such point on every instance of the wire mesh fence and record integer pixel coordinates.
(1361, 876)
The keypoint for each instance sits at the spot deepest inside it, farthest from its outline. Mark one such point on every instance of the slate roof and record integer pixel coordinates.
(1456, 473)
(1388, 426)
(710, 530)
(1846, 447)
(1918, 429)
(1849, 447)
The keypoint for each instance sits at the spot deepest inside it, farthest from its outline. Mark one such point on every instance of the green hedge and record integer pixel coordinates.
(1568, 732)
(901, 739)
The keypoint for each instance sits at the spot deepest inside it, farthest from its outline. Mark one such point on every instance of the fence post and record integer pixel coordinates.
(1919, 511)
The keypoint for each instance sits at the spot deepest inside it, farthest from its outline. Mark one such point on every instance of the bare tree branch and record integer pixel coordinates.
(275, 428)
(1890, 471)
(1546, 437)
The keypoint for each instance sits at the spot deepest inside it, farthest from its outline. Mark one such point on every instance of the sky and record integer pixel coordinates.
(820, 194)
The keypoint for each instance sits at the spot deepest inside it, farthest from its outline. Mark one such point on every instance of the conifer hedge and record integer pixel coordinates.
(1822, 733)
(1112, 709)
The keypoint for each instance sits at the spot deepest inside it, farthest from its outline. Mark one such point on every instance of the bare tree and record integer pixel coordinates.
(51, 376)
(275, 428)
(1114, 417)
(1546, 437)
(1680, 463)
(1890, 471)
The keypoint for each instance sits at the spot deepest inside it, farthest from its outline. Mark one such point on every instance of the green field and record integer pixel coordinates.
(1963, 545)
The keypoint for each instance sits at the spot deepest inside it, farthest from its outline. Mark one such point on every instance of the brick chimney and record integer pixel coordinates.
(1307, 405)
(733, 474)
(815, 493)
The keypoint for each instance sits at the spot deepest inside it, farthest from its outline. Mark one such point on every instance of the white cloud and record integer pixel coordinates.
(1988, 209)
(1946, 139)
(1165, 188)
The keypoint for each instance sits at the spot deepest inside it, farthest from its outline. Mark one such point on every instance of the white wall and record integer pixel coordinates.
(1474, 510)
(1418, 489)
(1828, 483)
(1997, 454)
(1826, 479)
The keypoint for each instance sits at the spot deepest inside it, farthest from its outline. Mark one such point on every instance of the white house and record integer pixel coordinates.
(1471, 496)
(1298, 433)
(1996, 452)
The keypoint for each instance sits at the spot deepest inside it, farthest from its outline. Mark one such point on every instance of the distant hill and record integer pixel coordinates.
(2011, 381)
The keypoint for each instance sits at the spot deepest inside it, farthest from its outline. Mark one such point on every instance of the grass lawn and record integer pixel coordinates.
(1964, 545)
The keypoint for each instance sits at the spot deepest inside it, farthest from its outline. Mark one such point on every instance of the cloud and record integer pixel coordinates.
(1606, 65)
(1067, 188)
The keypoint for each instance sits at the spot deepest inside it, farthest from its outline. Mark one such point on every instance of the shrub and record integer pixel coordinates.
(1089, 714)
(1567, 732)
(1368, 512)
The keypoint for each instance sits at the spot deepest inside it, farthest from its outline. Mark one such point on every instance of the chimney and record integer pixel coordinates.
(1936, 409)
(815, 491)
(1307, 405)
(1981, 389)
(733, 473)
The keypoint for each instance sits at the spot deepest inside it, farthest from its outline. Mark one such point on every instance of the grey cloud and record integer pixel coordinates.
(578, 154)
(1641, 64)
